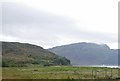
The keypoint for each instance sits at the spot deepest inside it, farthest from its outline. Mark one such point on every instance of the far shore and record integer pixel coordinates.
(108, 66)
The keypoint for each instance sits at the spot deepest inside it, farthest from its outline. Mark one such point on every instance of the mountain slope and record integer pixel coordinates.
(87, 53)
(23, 54)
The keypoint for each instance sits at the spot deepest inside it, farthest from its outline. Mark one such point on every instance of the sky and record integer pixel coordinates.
(50, 23)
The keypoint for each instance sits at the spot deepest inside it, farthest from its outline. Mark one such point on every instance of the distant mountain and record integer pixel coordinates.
(23, 54)
(87, 53)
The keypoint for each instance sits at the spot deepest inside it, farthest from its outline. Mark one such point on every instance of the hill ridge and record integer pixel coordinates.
(87, 53)
(24, 54)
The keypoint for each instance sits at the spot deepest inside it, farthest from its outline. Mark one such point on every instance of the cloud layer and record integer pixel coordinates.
(24, 24)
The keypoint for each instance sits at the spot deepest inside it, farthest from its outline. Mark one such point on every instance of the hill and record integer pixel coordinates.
(23, 54)
(87, 53)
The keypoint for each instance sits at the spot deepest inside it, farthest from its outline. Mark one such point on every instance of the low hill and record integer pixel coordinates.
(23, 54)
(87, 53)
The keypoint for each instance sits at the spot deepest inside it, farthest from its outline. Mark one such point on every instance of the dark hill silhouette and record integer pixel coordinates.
(87, 53)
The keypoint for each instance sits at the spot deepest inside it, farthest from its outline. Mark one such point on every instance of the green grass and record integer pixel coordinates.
(58, 72)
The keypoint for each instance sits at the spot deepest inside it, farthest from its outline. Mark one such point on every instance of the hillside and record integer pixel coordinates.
(87, 53)
(23, 54)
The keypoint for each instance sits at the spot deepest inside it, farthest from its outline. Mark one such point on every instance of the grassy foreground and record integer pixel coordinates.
(59, 72)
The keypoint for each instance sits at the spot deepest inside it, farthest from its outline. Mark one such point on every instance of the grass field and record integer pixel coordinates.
(58, 72)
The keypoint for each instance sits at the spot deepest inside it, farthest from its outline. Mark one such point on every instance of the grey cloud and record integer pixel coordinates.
(91, 35)
(20, 14)
(31, 25)
(101, 37)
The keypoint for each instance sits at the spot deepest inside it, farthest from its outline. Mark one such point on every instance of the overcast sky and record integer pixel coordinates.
(50, 23)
